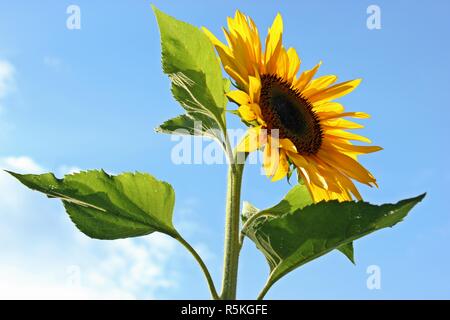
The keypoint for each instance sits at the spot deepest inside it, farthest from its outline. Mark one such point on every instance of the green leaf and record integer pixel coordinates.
(297, 198)
(291, 234)
(188, 58)
(347, 250)
(185, 125)
(110, 207)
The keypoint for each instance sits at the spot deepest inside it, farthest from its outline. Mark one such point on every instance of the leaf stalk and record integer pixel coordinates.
(205, 270)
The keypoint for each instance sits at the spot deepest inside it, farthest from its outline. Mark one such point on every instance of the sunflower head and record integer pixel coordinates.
(291, 114)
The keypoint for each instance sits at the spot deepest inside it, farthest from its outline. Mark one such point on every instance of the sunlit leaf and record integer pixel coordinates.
(297, 198)
(188, 58)
(291, 234)
(110, 207)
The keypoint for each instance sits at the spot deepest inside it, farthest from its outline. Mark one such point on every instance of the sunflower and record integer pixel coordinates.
(292, 116)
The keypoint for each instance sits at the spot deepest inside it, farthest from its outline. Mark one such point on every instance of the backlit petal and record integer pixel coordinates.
(252, 141)
(335, 91)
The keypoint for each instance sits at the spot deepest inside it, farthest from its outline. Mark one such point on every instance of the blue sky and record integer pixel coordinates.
(90, 98)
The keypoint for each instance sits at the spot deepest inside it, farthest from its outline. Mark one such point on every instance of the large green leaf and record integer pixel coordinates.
(303, 233)
(297, 198)
(189, 60)
(110, 207)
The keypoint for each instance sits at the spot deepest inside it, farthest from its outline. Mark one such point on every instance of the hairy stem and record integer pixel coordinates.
(205, 270)
(232, 246)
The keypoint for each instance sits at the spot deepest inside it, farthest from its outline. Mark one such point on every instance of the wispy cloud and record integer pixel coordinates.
(43, 256)
(7, 81)
(7, 72)
(121, 269)
(7, 85)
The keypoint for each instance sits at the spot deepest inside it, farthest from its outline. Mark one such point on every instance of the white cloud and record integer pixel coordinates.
(12, 194)
(21, 165)
(63, 170)
(19, 283)
(7, 75)
(7, 72)
(120, 269)
(43, 255)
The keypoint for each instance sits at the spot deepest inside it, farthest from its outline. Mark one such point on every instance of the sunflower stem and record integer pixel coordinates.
(232, 245)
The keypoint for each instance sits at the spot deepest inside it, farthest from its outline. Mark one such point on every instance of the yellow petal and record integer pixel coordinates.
(340, 124)
(335, 91)
(216, 42)
(347, 184)
(269, 163)
(319, 194)
(358, 115)
(251, 112)
(306, 77)
(328, 107)
(242, 54)
(246, 113)
(356, 149)
(287, 145)
(236, 76)
(331, 174)
(350, 186)
(313, 174)
(254, 89)
(333, 115)
(283, 64)
(252, 141)
(341, 134)
(348, 165)
(227, 58)
(282, 168)
(318, 84)
(255, 40)
(273, 40)
(238, 96)
(257, 110)
(294, 64)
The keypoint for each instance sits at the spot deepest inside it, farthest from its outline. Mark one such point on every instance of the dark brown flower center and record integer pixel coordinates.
(285, 109)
